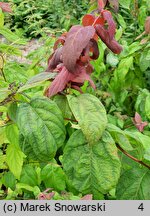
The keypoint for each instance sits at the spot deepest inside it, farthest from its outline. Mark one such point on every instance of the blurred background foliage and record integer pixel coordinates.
(36, 17)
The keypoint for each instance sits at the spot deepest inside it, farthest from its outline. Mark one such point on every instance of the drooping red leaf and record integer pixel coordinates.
(147, 25)
(64, 77)
(82, 76)
(87, 197)
(54, 59)
(91, 48)
(139, 124)
(113, 45)
(60, 82)
(77, 39)
(111, 24)
(60, 40)
(101, 4)
(90, 19)
(5, 7)
(94, 49)
(137, 118)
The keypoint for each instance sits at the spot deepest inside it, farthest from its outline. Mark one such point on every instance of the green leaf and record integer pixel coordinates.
(119, 137)
(12, 111)
(147, 106)
(144, 60)
(12, 134)
(4, 92)
(121, 21)
(53, 177)
(3, 138)
(134, 184)
(42, 127)
(9, 180)
(14, 159)
(2, 160)
(1, 19)
(91, 169)
(37, 80)
(112, 59)
(62, 103)
(91, 115)
(29, 175)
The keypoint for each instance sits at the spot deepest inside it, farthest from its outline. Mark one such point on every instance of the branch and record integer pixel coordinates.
(133, 158)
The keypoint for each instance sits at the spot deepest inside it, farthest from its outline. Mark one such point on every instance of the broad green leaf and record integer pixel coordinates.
(29, 175)
(42, 127)
(24, 186)
(9, 180)
(147, 106)
(91, 115)
(134, 184)
(1, 19)
(112, 60)
(53, 177)
(12, 111)
(3, 138)
(119, 137)
(123, 68)
(14, 159)
(37, 80)
(12, 134)
(62, 103)
(143, 142)
(4, 92)
(144, 60)
(2, 160)
(91, 169)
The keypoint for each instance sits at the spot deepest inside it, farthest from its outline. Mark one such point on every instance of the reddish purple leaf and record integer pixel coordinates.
(113, 45)
(101, 4)
(90, 19)
(60, 40)
(60, 82)
(137, 120)
(87, 197)
(111, 24)
(77, 39)
(5, 7)
(147, 25)
(64, 77)
(55, 59)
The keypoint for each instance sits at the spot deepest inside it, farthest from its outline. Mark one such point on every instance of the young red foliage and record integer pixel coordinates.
(71, 60)
(139, 124)
(5, 7)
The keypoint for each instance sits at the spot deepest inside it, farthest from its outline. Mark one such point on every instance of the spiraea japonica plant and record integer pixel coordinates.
(62, 140)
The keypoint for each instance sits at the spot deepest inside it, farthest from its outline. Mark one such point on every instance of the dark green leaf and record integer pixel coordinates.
(91, 115)
(42, 126)
(53, 177)
(91, 169)
(134, 184)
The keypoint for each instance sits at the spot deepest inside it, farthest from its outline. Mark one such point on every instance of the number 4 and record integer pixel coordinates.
(141, 207)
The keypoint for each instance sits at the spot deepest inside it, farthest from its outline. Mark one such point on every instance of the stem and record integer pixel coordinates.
(131, 157)
(70, 119)
(2, 68)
